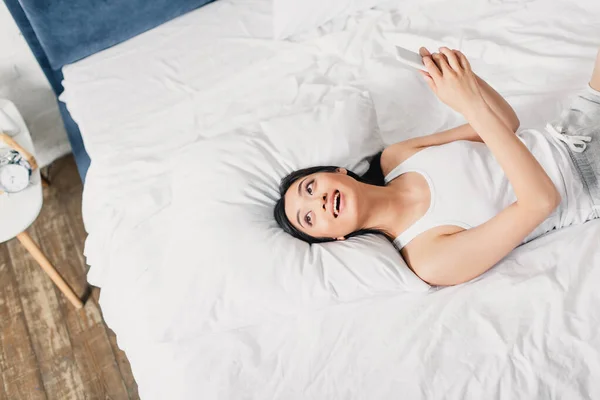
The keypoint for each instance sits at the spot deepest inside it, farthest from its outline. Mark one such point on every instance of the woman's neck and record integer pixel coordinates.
(387, 208)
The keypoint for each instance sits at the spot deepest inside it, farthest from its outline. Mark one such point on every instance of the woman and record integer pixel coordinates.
(456, 202)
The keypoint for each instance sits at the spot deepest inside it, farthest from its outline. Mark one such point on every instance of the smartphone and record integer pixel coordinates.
(410, 58)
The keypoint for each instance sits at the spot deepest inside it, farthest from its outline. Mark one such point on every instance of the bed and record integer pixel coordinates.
(528, 328)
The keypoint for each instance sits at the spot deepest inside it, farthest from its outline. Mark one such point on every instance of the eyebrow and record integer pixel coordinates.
(300, 194)
(300, 186)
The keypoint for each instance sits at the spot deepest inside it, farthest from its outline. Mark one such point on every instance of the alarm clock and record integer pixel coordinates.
(15, 171)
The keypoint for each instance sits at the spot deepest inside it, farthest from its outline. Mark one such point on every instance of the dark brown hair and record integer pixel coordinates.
(374, 176)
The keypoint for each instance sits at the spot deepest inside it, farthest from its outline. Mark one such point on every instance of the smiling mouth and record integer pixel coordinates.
(336, 203)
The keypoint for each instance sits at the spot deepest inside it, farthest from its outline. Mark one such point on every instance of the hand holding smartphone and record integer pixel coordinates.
(410, 58)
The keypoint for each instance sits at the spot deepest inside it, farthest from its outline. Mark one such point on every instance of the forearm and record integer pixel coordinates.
(530, 182)
(498, 104)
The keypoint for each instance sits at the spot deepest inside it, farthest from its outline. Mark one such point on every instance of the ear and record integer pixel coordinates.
(342, 171)
(340, 238)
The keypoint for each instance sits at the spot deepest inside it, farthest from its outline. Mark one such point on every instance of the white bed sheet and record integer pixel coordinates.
(525, 329)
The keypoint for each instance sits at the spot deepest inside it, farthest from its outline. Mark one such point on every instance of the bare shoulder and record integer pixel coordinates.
(394, 155)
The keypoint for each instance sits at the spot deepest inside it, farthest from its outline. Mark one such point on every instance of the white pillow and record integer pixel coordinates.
(294, 16)
(230, 265)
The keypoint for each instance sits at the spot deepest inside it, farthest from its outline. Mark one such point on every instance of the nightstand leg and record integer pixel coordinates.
(37, 254)
(45, 181)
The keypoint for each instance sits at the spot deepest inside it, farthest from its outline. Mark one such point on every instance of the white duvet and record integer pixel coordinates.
(528, 328)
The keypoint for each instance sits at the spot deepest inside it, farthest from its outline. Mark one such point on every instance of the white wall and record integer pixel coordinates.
(23, 82)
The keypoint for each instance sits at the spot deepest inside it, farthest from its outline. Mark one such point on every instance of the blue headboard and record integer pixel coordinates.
(60, 32)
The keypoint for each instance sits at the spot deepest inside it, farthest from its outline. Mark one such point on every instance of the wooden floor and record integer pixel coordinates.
(49, 350)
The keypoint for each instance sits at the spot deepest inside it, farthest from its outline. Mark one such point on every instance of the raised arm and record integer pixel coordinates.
(398, 152)
(498, 104)
(459, 257)
(493, 99)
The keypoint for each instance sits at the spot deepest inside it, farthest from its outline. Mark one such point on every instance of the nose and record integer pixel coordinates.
(323, 201)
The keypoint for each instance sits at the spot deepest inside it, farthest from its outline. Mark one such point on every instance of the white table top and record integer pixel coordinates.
(19, 210)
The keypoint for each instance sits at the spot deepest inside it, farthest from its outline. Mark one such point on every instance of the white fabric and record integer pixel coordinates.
(525, 329)
(291, 17)
(576, 143)
(466, 173)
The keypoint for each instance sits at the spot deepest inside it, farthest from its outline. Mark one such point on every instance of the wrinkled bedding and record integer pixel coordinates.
(528, 328)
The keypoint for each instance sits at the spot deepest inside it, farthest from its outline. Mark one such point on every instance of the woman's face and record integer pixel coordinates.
(324, 204)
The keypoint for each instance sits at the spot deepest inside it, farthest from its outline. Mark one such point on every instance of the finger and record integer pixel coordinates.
(441, 62)
(429, 80)
(458, 53)
(425, 74)
(423, 52)
(432, 68)
(464, 62)
(452, 59)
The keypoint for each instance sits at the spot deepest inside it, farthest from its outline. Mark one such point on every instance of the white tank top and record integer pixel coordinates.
(468, 187)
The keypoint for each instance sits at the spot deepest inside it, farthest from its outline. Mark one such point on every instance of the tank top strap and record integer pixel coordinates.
(396, 172)
(404, 166)
(424, 223)
(412, 232)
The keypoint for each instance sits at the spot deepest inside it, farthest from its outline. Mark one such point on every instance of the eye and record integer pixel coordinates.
(309, 187)
(308, 219)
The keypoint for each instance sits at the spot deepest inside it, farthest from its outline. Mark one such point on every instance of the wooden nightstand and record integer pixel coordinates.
(19, 210)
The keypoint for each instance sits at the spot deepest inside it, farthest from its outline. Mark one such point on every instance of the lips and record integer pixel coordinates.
(336, 200)
(332, 203)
